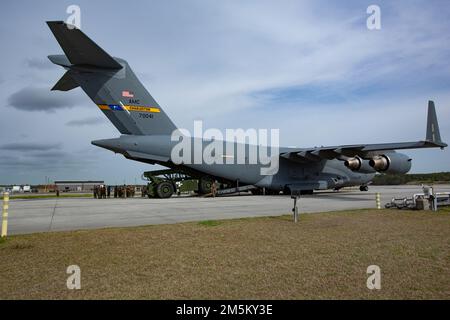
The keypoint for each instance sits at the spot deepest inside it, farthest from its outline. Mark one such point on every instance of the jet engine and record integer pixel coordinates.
(391, 163)
(358, 164)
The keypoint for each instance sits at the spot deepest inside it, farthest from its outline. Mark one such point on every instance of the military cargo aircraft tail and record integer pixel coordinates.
(109, 82)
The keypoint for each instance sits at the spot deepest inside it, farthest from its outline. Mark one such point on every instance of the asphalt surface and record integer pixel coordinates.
(43, 215)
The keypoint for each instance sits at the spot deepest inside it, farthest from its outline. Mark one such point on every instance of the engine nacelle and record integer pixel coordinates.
(391, 163)
(358, 164)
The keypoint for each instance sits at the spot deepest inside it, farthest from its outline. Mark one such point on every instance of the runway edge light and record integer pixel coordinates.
(378, 200)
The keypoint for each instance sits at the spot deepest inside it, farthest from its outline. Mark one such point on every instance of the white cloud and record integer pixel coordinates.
(224, 61)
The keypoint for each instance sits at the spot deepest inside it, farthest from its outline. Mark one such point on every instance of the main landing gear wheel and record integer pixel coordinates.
(363, 188)
(205, 185)
(256, 192)
(164, 189)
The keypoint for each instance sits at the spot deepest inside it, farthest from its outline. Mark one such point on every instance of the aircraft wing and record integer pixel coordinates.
(432, 140)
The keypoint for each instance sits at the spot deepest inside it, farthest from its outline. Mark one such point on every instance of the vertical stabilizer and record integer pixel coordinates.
(109, 82)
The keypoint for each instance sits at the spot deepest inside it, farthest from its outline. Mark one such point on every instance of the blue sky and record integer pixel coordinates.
(310, 68)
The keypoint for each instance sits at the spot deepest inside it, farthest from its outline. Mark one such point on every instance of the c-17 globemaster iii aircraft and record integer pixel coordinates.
(147, 133)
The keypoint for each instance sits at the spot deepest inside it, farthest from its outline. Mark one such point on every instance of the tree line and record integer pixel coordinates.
(414, 178)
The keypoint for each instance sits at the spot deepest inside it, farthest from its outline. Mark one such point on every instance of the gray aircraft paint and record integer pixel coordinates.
(146, 129)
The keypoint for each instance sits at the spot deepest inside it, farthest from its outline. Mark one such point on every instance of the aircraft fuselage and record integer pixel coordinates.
(158, 149)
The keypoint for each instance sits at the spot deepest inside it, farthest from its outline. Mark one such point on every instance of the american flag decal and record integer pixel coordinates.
(127, 94)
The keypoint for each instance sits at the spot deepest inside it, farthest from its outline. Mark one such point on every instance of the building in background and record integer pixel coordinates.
(16, 188)
(77, 186)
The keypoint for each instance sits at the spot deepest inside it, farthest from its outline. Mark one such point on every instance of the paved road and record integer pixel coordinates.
(42, 215)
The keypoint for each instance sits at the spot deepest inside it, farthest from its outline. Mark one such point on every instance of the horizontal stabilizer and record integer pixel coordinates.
(79, 49)
(60, 60)
(66, 83)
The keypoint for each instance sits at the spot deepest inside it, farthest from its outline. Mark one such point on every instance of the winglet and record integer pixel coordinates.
(433, 134)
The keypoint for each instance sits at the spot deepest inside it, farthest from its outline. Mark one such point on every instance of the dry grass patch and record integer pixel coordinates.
(323, 256)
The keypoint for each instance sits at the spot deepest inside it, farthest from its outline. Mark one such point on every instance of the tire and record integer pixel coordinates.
(256, 192)
(205, 184)
(164, 189)
(287, 191)
(363, 188)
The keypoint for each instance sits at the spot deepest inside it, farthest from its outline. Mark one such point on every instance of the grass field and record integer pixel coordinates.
(323, 256)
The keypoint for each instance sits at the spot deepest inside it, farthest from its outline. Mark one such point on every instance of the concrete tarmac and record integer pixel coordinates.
(43, 215)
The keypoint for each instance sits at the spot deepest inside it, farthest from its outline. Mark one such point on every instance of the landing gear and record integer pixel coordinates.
(363, 188)
(164, 189)
(256, 192)
(288, 191)
(205, 184)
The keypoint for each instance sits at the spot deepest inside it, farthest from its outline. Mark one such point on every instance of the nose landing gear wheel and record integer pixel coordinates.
(363, 188)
